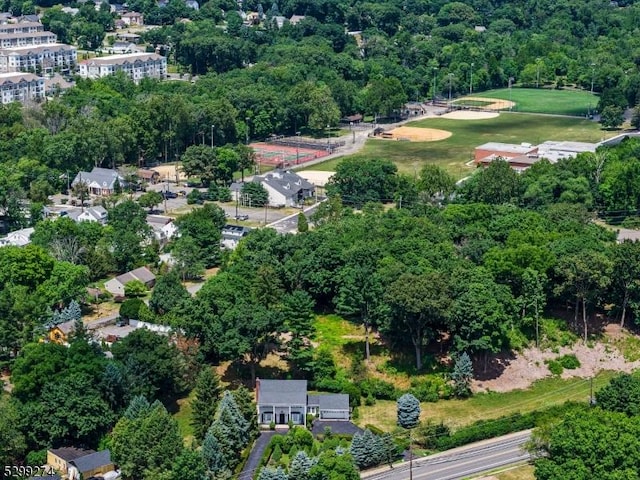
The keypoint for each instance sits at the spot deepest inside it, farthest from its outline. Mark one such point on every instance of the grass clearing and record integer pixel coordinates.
(458, 413)
(542, 100)
(454, 152)
(522, 472)
(183, 417)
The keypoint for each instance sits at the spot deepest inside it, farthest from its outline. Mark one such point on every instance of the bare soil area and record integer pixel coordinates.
(524, 368)
(417, 134)
(498, 104)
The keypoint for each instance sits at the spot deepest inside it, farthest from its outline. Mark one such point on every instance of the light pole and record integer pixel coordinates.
(471, 78)
(246, 132)
(537, 73)
(510, 102)
(450, 75)
(433, 99)
(297, 147)
(328, 133)
(212, 127)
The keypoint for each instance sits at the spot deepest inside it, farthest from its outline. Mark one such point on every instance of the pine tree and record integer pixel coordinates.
(462, 375)
(212, 455)
(113, 387)
(138, 407)
(244, 401)
(300, 466)
(207, 395)
(389, 449)
(366, 449)
(303, 224)
(268, 473)
(408, 411)
(231, 430)
(73, 311)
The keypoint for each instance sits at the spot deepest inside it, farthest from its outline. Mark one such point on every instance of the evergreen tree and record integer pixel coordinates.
(366, 449)
(231, 430)
(113, 387)
(188, 466)
(207, 395)
(73, 311)
(389, 449)
(297, 308)
(300, 466)
(244, 401)
(408, 411)
(212, 455)
(303, 224)
(138, 407)
(462, 375)
(269, 473)
(167, 293)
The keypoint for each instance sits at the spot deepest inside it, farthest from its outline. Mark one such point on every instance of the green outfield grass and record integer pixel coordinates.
(540, 100)
(452, 153)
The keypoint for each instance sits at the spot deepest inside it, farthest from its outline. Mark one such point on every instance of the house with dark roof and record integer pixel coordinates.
(285, 188)
(99, 181)
(232, 234)
(91, 465)
(281, 401)
(116, 286)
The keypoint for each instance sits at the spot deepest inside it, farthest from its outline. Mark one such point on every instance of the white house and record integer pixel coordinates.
(116, 286)
(18, 238)
(163, 227)
(91, 214)
(20, 87)
(133, 19)
(135, 65)
(99, 181)
(232, 234)
(285, 188)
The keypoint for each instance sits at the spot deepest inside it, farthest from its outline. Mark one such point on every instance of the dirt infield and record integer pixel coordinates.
(416, 134)
(317, 177)
(168, 172)
(469, 115)
(495, 103)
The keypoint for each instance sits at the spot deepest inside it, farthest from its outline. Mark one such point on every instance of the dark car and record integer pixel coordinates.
(167, 194)
(242, 217)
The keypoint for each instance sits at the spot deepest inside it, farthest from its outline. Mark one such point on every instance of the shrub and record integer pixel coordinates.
(195, 197)
(379, 389)
(355, 395)
(135, 288)
(554, 366)
(224, 194)
(430, 389)
(277, 454)
(428, 434)
(130, 309)
(370, 400)
(272, 425)
(569, 361)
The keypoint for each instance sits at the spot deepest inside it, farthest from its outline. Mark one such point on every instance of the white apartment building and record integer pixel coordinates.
(9, 40)
(20, 87)
(136, 65)
(38, 58)
(21, 27)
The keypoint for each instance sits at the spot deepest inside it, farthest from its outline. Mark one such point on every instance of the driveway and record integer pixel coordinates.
(253, 462)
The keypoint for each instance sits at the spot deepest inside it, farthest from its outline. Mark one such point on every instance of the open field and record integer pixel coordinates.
(523, 472)
(453, 152)
(457, 413)
(542, 100)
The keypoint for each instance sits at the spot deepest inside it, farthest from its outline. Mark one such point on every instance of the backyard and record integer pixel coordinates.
(454, 152)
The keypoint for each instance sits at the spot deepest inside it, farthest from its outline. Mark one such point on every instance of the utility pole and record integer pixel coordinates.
(400, 203)
(471, 78)
(266, 209)
(212, 126)
(450, 75)
(246, 131)
(297, 147)
(410, 456)
(433, 99)
(537, 72)
(237, 200)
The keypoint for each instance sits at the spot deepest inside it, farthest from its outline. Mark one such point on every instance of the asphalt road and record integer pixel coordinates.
(462, 462)
(289, 224)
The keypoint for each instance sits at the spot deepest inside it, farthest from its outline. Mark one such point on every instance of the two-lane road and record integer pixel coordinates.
(462, 462)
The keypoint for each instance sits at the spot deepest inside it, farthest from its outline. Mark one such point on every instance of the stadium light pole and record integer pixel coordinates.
(471, 78)
(433, 99)
(297, 147)
(212, 127)
(537, 73)
(593, 72)
(450, 76)
(246, 132)
(510, 84)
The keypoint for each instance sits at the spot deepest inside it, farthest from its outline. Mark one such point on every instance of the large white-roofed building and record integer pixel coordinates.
(135, 65)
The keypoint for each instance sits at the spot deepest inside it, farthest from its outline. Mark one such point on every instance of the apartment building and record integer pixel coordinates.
(136, 65)
(10, 40)
(22, 27)
(20, 87)
(38, 58)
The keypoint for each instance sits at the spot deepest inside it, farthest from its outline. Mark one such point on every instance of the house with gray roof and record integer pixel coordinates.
(281, 401)
(99, 181)
(232, 234)
(116, 286)
(285, 188)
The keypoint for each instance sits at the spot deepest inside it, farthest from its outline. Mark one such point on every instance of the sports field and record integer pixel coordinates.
(283, 156)
(541, 100)
(454, 152)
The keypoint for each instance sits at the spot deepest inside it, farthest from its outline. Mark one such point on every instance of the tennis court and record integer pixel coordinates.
(285, 156)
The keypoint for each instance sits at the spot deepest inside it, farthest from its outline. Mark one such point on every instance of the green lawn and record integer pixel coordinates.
(542, 100)
(456, 413)
(455, 151)
(183, 417)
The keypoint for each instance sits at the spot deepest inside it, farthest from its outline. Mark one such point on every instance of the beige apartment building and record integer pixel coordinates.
(20, 87)
(38, 58)
(22, 39)
(21, 27)
(135, 65)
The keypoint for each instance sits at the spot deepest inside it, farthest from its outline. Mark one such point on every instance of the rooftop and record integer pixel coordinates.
(37, 48)
(70, 453)
(276, 392)
(17, 77)
(123, 58)
(522, 148)
(92, 461)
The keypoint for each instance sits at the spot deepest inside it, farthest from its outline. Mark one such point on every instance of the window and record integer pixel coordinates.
(295, 418)
(266, 417)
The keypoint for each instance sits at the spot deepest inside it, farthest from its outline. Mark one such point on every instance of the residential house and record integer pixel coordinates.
(124, 47)
(281, 401)
(133, 19)
(71, 11)
(128, 37)
(163, 228)
(99, 181)
(150, 176)
(43, 58)
(17, 238)
(279, 20)
(285, 188)
(296, 19)
(192, 4)
(21, 87)
(79, 463)
(31, 18)
(60, 333)
(10, 40)
(116, 285)
(135, 65)
(91, 214)
(232, 234)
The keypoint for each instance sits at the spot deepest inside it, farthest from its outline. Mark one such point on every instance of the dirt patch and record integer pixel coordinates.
(469, 115)
(170, 173)
(497, 103)
(416, 134)
(528, 366)
(317, 177)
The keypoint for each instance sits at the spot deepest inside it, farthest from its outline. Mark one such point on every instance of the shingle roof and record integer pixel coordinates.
(334, 401)
(282, 392)
(102, 176)
(284, 181)
(92, 461)
(70, 453)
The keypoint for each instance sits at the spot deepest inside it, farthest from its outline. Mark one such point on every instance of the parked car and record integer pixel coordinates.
(182, 193)
(242, 217)
(167, 194)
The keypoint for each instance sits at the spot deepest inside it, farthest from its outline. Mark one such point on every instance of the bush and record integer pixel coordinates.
(277, 454)
(224, 194)
(36, 458)
(554, 332)
(195, 197)
(379, 389)
(430, 389)
(370, 400)
(555, 367)
(130, 309)
(272, 425)
(428, 434)
(354, 393)
(135, 288)
(569, 361)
